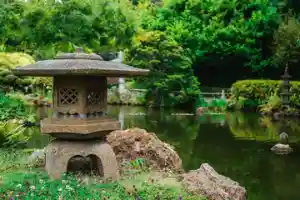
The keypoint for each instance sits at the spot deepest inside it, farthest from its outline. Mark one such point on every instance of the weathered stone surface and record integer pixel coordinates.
(37, 158)
(207, 182)
(138, 143)
(282, 149)
(60, 152)
(100, 126)
(131, 144)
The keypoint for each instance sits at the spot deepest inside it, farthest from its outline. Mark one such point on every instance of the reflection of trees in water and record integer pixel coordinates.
(261, 128)
(247, 160)
(218, 119)
(285, 177)
(177, 130)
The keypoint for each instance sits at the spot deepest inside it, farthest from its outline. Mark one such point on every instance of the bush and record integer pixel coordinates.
(249, 94)
(12, 108)
(9, 61)
(286, 40)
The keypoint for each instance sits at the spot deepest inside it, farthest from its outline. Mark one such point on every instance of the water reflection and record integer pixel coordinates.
(235, 144)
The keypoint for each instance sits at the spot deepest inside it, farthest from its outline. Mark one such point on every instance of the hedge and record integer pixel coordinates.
(257, 92)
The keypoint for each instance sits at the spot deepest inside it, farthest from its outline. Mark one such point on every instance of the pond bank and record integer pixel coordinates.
(236, 144)
(165, 167)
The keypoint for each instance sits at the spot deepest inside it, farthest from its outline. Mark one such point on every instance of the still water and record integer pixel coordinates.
(236, 145)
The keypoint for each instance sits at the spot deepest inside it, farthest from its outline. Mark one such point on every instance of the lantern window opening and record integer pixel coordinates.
(68, 96)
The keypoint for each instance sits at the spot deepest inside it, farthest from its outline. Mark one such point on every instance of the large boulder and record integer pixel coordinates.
(207, 182)
(37, 158)
(136, 143)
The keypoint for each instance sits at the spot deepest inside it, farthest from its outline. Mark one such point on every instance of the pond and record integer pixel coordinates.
(237, 145)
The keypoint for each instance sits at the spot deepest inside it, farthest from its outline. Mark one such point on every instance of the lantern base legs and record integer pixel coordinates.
(64, 156)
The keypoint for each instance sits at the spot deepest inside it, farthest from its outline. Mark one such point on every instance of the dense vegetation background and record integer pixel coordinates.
(183, 42)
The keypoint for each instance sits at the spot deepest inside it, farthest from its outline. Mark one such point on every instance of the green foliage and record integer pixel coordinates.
(11, 159)
(252, 93)
(20, 181)
(38, 186)
(218, 32)
(138, 163)
(171, 81)
(218, 103)
(175, 39)
(9, 61)
(271, 105)
(14, 135)
(201, 102)
(214, 105)
(287, 41)
(13, 112)
(43, 28)
(11, 108)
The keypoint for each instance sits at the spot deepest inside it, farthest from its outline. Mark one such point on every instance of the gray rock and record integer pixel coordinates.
(207, 182)
(37, 158)
(282, 149)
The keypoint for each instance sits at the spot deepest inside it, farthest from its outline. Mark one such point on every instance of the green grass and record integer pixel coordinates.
(21, 182)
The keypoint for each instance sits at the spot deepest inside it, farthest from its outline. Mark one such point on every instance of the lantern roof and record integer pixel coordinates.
(79, 63)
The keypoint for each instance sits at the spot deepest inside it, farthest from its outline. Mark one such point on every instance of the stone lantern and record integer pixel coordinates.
(285, 88)
(79, 122)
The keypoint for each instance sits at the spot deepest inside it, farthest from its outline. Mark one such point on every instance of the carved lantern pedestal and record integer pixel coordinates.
(101, 154)
(79, 122)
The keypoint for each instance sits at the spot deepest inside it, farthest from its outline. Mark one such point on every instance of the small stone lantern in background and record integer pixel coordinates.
(79, 122)
(285, 88)
(282, 148)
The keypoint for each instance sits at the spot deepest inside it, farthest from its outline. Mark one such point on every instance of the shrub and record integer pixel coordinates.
(12, 108)
(215, 105)
(13, 112)
(252, 93)
(271, 105)
(286, 41)
(9, 61)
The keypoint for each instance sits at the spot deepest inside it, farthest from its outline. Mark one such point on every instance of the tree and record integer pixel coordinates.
(287, 41)
(42, 28)
(171, 81)
(219, 35)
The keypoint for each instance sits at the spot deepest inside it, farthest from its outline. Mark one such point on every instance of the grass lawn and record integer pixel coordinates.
(19, 181)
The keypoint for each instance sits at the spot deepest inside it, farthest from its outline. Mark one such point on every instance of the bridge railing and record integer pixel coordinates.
(225, 92)
(214, 94)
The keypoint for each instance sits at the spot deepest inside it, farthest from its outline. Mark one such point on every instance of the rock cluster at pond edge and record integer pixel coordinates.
(138, 143)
